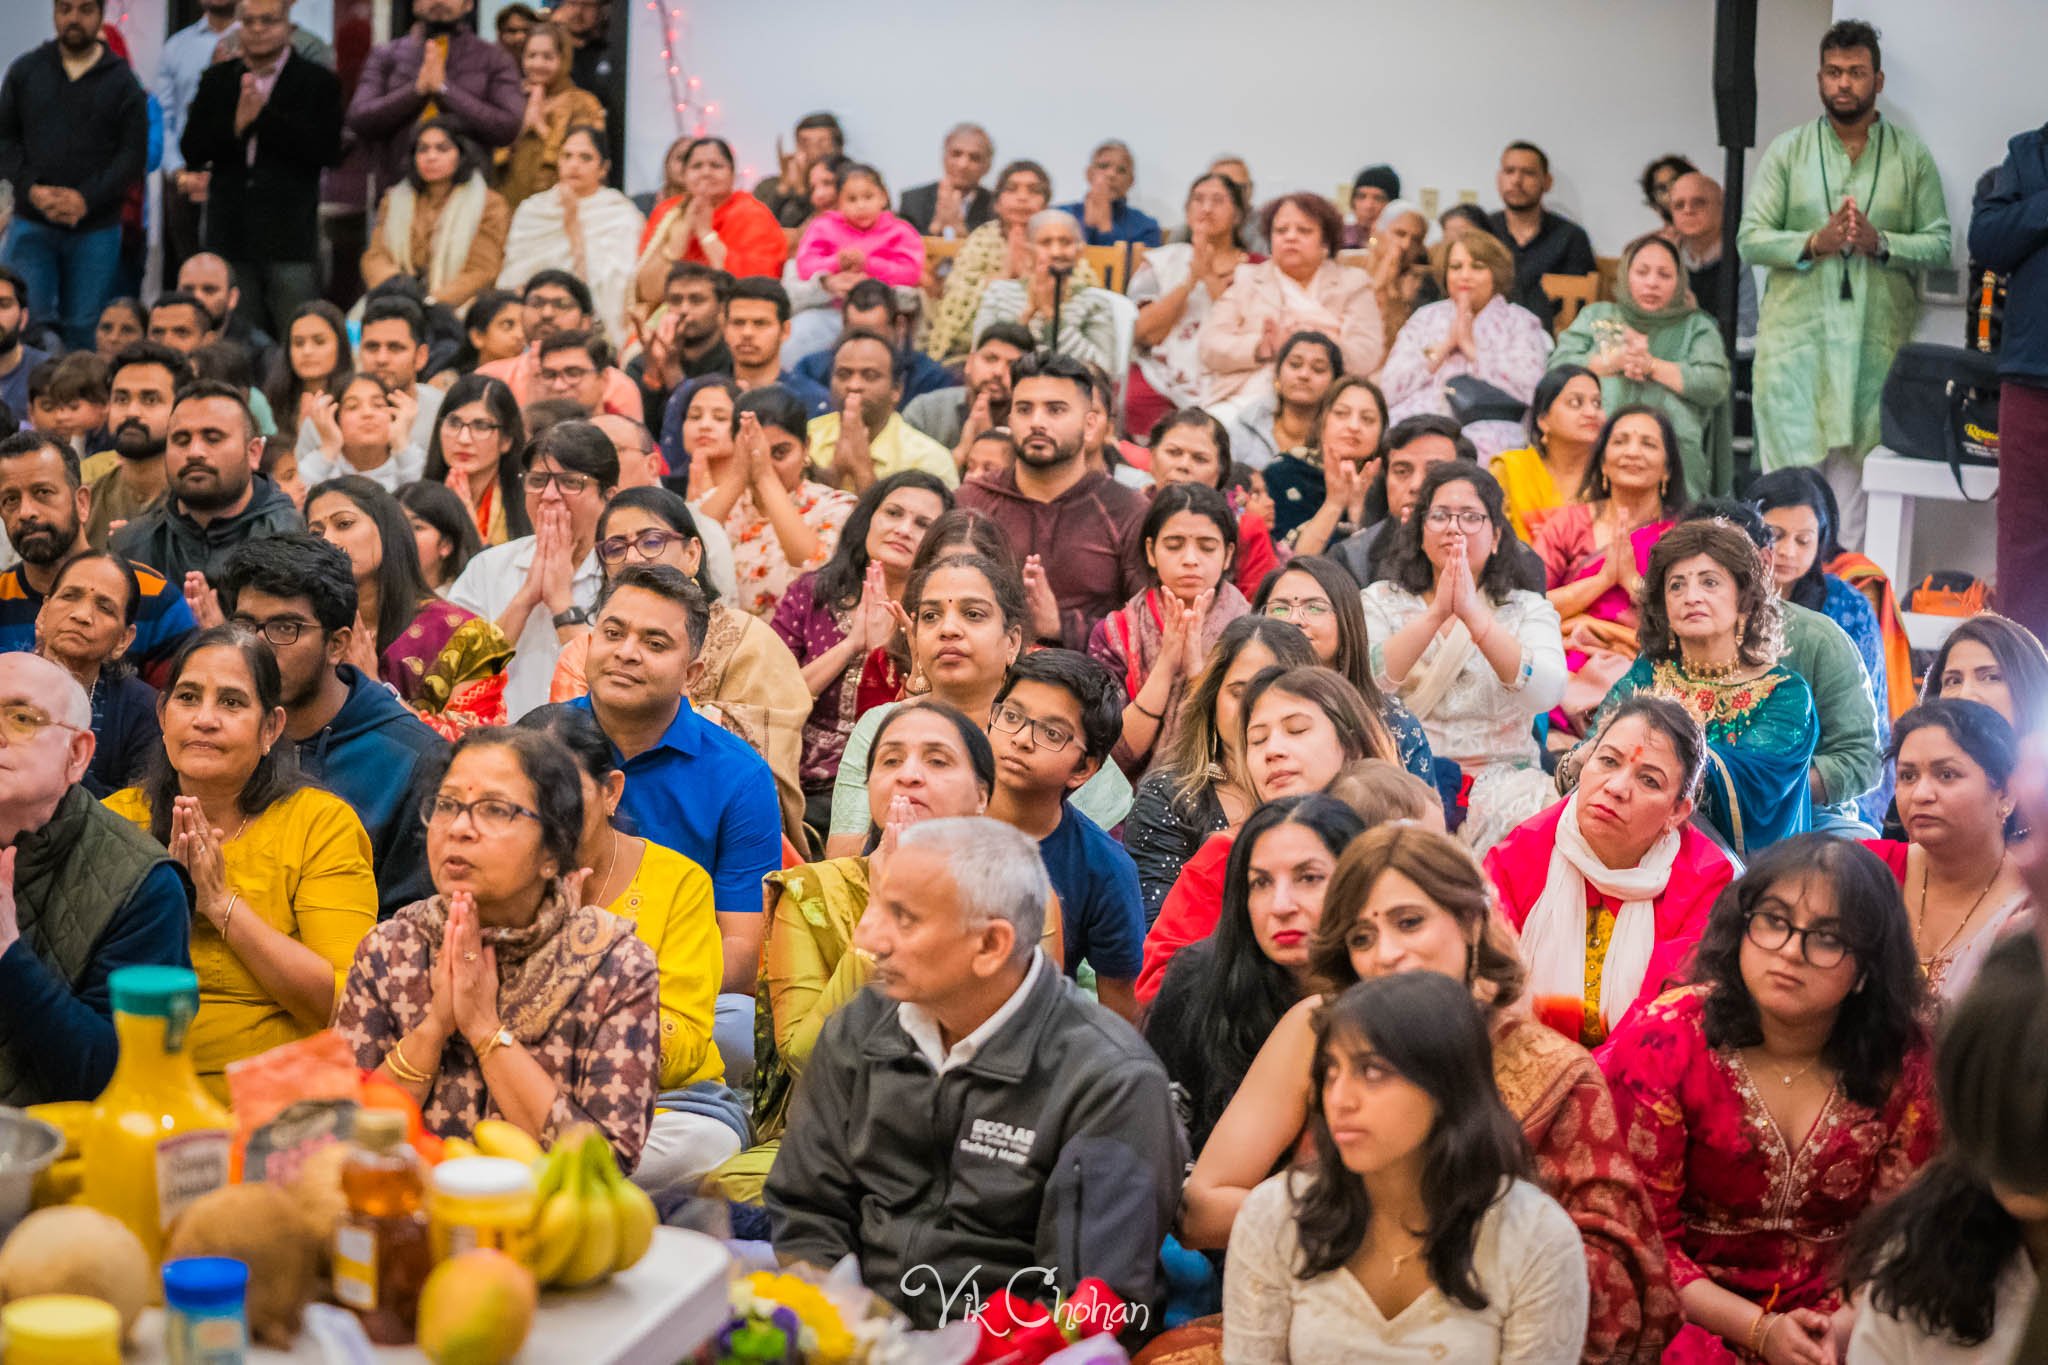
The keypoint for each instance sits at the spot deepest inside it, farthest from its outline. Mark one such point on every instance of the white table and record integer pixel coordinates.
(1893, 484)
(657, 1313)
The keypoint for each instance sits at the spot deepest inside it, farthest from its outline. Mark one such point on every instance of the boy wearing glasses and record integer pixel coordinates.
(1053, 725)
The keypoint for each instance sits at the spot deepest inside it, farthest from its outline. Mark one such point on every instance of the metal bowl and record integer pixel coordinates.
(27, 1147)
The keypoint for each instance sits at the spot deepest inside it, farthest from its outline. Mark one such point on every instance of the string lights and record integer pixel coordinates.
(692, 118)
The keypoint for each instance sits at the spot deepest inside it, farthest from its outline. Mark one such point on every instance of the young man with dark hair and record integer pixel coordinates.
(757, 313)
(556, 301)
(958, 416)
(1845, 211)
(540, 588)
(1055, 720)
(691, 785)
(572, 366)
(864, 438)
(1542, 242)
(690, 338)
(44, 513)
(873, 306)
(1075, 528)
(297, 593)
(217, 499)
(142, 384)
(18, 359)
(181, 322)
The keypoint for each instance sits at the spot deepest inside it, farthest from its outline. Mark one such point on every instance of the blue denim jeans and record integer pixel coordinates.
(70, 274)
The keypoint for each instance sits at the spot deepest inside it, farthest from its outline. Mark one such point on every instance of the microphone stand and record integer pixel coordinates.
(1059, 289)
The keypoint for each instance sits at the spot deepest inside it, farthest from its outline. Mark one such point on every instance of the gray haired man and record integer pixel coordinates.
(974, 1123)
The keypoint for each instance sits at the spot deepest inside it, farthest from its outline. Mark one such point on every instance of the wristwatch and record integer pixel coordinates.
(575, 616)
(502, 1038)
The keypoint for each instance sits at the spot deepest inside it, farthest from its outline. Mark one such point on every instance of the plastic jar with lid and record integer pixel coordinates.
(61, 1329)
(205, 1321)
(482, 1201)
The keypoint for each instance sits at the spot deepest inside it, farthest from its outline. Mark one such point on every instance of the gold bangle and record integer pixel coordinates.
(403, 1069)
(229, 917)
(492, 1044)
(1760, 1330)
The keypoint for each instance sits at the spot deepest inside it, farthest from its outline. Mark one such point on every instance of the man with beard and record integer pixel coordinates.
(1542, 242)
(959, 416)
(556, 301)
(438, 69)
(1076, 528)
(18, 359)
(1844, 211)
(44, 512)
(141, 384)
(865, 438)
(74, 129)
(298, 594)
(217, 500)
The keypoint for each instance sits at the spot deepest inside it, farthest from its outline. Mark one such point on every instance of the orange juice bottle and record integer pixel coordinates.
(156, 1140)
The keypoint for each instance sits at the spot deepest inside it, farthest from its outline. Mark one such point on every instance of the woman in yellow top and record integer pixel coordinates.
(554, 105)
(698, 1122)
(1565, 416)
(281, 869)
(929, 761)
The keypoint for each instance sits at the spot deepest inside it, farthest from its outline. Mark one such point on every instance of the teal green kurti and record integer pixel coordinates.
(1821, 359)
(1699, 416)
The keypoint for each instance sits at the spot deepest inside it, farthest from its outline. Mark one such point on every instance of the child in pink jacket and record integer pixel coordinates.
(860, 238)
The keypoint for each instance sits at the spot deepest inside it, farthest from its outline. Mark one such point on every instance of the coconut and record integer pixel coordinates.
(72, 1249)
(261, 1226)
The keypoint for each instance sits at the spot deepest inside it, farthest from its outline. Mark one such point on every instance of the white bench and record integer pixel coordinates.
(1894, 485)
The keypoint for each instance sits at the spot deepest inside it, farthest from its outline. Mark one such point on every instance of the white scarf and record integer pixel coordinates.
(1427, 687)
(454, 232)
(1554, 935)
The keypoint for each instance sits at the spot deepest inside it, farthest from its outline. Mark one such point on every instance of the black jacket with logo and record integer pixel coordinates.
(1052, 1156)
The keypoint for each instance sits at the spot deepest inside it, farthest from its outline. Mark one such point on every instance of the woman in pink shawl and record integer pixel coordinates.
(1635, 489)
(1610, 888)
(1160, 640)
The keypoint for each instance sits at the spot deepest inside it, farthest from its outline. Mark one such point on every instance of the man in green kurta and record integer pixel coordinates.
(1844, 211)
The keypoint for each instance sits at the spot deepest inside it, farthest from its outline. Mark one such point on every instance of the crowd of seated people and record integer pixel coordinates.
(1303, 764)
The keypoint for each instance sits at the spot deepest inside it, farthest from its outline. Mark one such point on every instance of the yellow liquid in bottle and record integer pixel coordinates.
(156, 1139)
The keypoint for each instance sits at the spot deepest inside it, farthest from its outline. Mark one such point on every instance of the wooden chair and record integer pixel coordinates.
(1110, 265)
(1136, 255)
(1570, 293)
(1609, 269)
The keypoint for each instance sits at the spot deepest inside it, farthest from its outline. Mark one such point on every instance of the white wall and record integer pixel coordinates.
(1308, 92)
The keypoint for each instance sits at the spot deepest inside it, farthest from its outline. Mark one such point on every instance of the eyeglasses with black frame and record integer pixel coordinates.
(649, 544)
(1049, 735)
(1821, 946)
(571, 484)
(281, 631)
(489, 814)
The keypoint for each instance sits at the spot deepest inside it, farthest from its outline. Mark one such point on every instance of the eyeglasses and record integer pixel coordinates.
(1466, 520)
(461, 426)
(553, 303)
(650, 545)
(280, 631)
(574, 374)
(490, 815)
(1045, 734)
(21, 722)
(1820, 947)
(537, 481)
(1304, 609)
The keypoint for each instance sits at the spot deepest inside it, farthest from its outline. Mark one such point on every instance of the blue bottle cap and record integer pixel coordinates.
(200, 1284)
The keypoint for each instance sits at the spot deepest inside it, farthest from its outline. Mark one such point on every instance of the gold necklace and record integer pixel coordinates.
(611, 860)
(1920, 924)
(1791, 1076)
(1711, 672)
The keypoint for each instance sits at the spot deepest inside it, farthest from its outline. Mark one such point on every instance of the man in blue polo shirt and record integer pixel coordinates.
(690, 785)
(44, 510)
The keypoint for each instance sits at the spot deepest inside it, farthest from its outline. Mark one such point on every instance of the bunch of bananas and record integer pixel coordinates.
(591, 1222)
